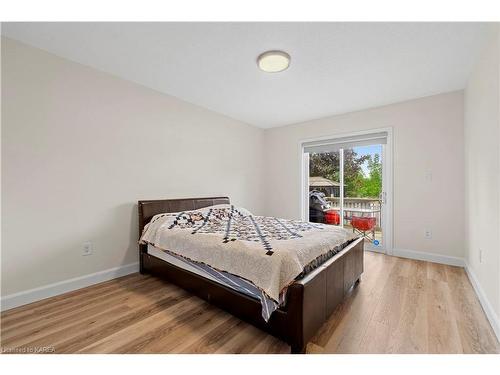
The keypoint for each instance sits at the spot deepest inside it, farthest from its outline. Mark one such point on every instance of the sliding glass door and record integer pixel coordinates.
(347, 183)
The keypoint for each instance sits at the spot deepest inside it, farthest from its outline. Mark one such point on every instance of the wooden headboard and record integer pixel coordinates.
(150, 208)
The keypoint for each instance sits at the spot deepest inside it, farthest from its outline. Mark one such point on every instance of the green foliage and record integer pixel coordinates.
(357, 185)
(372, 185)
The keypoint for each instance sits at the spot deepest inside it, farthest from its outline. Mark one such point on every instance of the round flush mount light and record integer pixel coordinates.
(273, 61)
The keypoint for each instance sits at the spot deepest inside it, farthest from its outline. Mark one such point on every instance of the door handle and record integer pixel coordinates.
(383, 197)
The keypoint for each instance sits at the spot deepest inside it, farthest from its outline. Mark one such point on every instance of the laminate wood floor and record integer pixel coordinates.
(400, 306)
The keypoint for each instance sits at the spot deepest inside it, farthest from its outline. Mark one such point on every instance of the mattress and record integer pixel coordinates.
(158, 253)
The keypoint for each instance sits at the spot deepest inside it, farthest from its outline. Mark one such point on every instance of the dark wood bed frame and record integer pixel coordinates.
(310, 301)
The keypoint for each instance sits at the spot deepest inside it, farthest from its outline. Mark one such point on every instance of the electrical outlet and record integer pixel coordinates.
(87, 248)
(480, 256)
(428, 234)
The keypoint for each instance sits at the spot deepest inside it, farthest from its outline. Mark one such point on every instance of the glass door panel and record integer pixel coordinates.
(362, 203)
(324, 188)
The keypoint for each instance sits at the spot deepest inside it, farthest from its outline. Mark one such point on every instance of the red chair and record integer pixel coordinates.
(364, 226)
(332, 217)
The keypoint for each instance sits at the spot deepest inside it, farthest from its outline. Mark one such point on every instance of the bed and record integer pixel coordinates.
(304, 303)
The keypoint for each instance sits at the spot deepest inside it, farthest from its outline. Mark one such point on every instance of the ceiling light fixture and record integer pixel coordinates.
(273, 61)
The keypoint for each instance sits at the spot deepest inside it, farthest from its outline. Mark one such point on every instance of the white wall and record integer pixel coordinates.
(80, 147)
(482, 176)
(428, 136)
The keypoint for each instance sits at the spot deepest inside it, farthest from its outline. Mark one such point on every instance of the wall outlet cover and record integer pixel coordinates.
(87, 248)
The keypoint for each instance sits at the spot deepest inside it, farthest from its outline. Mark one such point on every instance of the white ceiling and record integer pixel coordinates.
(335, 67)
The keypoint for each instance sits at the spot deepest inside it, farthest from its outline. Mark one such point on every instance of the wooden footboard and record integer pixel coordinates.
(313, 299)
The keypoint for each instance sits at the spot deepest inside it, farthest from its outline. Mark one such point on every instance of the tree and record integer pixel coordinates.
(327, 165)
(372, 185)
(356, 184)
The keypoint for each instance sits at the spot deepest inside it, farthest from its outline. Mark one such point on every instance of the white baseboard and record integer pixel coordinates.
(485, 303)
(429, 257)
(51, 290)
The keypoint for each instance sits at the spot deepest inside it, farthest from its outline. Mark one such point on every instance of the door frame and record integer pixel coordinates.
(387, 212)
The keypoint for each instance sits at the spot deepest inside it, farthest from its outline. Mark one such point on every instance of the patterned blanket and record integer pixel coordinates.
(267, 251)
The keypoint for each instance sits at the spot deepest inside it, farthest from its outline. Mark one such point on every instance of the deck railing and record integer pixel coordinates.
(358, 205)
